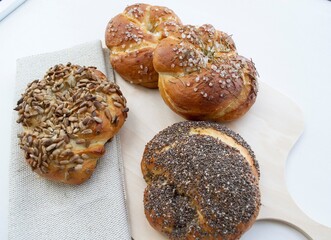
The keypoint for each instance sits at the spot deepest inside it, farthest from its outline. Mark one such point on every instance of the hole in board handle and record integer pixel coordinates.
(274, 230)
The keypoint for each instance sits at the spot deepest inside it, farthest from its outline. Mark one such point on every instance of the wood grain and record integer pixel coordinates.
(271, 127)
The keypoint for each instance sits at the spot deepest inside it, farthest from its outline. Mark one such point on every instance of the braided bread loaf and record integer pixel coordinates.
(132, 37)
(201, 76)
(202, 182)
(67, 118)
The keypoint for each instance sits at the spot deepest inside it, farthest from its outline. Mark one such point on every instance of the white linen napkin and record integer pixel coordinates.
(41, 209)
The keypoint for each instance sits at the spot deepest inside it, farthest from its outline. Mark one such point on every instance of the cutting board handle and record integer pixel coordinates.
(297, 219)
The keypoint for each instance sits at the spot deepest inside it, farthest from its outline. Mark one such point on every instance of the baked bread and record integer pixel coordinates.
(202, 182)
(201, 76)
(132, 37)
(67, 118)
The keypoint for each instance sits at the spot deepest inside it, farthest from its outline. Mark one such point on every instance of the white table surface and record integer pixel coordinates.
(289, 41)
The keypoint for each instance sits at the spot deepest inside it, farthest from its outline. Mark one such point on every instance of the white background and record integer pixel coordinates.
(289, 41)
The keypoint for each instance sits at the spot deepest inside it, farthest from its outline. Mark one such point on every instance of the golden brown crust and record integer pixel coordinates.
(67, 118)
(201, 77)
(132, 36)
(128, 65)
(202, 182)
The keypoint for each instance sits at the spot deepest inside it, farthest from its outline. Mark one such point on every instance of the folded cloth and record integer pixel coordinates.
(41, 209)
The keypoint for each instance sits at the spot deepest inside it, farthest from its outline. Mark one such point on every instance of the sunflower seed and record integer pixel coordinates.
(97, 119)
(56, 140)
(108, 114)
(66, 138)
(61, 167)
(51, 147)
(115, 119)
(74, 158)
(72, 119)
(87, 131)
(69, 130)
(34, 164)
(84, 156)
(81, 125)
(20, 101)
(83, 104)
(80, 141)
(66, 122)
(45, 164)
(78, 167)
(34, 157)
(79, 160)
(30, 139)
(39, 109)
(81, 110)
(67, 152)
(80, 70)
(64, 162)
(76, 130)
(98, 105)
(116, 98)
(86, 121)
(56, 152)
(68, 146)
(17, 108)
(59, 144)
(117, 104)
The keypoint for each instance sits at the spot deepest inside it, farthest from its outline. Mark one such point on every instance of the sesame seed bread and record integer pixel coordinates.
(202, 182)
(132, 37)
(201, 76)
(67, 117)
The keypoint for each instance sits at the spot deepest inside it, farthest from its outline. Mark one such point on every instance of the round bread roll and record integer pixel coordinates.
(132, 37)
(201, 77)
(202, 182)
(67, 118)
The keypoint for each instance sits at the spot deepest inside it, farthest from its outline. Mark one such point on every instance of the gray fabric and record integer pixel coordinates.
(41, 209)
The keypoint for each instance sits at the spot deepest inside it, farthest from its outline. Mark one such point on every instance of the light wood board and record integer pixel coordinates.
(271, 127)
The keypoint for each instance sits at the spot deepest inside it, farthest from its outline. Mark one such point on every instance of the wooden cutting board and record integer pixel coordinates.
(271, 127)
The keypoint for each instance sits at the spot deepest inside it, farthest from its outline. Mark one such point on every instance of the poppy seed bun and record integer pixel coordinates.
(202, 182)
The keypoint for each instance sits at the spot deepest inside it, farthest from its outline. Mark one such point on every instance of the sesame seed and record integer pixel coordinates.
(213, 67)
